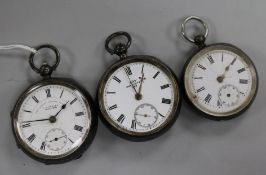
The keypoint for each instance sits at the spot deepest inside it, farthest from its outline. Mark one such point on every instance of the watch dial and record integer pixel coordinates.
(220, 82)
(139, 97)
(53, 120)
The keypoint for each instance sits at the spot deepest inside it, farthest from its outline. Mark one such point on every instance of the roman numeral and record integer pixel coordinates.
(43, 146)
(201, 89)
(133, 124)
(155, 75)
(26, 125)
(241, 70)
(35, 99)
(117, 79)
(222, 56)
(78, 128)
(61, 93)
(73, 101)
(110, 92)
(234, 60)
(243, 81)
(128, 70)
(165, 86)
(121, 118)
(48, 92)
(27, 111)
(202, 67)
(70, 140)
(161, 115)
(208, 98)
(209, 57)
(112, 107)
(79, 114)
(166, 101)
(31, 138)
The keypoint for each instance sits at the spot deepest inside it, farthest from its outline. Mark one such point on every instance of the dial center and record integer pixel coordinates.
(138, 96)
(220, 79)
(52, 119)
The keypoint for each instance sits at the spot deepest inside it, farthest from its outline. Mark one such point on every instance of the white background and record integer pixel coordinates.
(78, 28)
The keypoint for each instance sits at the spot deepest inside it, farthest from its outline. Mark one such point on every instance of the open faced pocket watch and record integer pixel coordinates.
(220, 80)
(54, 119)
(138, 96)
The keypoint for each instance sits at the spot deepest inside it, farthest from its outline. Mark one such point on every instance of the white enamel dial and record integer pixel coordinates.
(138, 97)
(220, 82)
(53, 120)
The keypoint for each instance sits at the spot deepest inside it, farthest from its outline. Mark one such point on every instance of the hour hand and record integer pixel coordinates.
(62, 107)
(139, 95)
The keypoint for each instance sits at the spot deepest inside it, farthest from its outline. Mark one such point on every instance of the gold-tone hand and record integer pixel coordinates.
(221, 77)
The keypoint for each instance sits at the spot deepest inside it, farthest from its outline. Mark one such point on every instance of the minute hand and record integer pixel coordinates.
(141, 82)
(35, 120)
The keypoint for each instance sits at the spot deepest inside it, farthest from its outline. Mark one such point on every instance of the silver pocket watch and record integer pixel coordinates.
(138, 96)
(54, 119)
(220, 80)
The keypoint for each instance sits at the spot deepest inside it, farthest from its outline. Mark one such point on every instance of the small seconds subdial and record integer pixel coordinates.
(228, 95)
(56, 139)
(146, 115)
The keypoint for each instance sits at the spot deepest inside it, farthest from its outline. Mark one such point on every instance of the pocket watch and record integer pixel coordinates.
(54, 119)
(220, 80)
(138, 96)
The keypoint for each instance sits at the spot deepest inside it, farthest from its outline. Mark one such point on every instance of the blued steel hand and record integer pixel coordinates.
(35, 120)
(52, 119)
(57, 138)
(144, 115)
(63, 107)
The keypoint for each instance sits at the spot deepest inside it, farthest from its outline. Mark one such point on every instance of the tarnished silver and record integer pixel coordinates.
(199, 40)
(244, 57)
(45, 70)
(46, 82)
(183, 28)
(120, 49)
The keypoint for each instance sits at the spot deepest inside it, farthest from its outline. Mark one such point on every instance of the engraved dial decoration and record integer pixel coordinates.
(139, 97)
(53, 120)
(220, 82)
